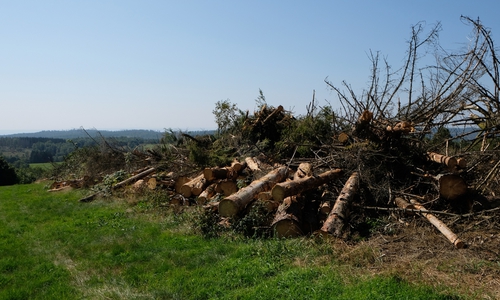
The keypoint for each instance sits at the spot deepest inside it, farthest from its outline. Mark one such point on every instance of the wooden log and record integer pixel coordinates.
(335, 222)
(287, 221)
(138, 185)
(238, 166)
(134, 178)
(234, 203)
(252, 164)
(274, 113)
(402, 203)
(343, 138)
(265, 196)
(452, 237)
(211, 174)
(179, 182)
(208, 193)
(451, 186)
(226, 187)
(194, 186)
(122, 183)
(269, 205)
(282, 190)
(461, 163)
(303, 170)
(325, 207)
(448, 161)
(152, 183)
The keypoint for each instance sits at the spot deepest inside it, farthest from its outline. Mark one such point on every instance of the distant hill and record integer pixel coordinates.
(80, 133)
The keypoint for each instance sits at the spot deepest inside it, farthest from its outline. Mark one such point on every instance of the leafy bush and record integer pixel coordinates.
(8, 175)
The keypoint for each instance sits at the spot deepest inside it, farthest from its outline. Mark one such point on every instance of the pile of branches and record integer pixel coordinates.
(421, 138)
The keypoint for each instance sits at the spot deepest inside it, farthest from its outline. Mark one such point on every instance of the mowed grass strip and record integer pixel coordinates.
(53, 247)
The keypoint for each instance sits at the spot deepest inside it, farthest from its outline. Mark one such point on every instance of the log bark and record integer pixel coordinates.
(208, 193)
(452, 237)
(287, 221)
(252, 165)
(451, 186)
(282, 190)
(335, 222)
(448, 161)
(234, 203)
(194, 186)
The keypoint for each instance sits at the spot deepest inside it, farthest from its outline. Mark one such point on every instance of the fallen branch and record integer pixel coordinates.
(452, 237)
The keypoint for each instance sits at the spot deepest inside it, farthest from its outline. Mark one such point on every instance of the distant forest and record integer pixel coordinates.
(53, 146)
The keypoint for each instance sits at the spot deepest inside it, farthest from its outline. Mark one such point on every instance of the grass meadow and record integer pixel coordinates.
(54, 247)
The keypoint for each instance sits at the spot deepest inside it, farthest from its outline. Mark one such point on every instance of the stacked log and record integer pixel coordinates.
(287, 221)
(335, 222)
(282, 190)
(233, 204)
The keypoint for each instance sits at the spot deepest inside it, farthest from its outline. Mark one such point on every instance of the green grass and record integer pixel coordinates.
(53, 247)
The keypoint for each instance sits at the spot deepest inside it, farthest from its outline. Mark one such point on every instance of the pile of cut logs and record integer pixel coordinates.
(282, 191)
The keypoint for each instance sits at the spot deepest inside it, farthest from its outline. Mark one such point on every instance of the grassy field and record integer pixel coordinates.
(53, 247)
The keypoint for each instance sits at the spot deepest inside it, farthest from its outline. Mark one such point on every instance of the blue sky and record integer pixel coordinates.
(114, 65)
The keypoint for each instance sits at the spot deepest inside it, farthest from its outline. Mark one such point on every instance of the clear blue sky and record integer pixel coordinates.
(114, 65)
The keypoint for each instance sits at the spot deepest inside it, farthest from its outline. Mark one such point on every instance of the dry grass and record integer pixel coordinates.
(418, 253)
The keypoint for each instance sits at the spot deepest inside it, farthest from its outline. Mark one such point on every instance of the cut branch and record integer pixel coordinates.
(452, 237)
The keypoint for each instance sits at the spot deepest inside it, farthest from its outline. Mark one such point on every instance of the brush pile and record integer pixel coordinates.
(436, 153)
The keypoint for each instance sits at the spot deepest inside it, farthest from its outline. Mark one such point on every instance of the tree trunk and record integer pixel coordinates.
(194, 187)
(452, 237)
(287, 221)
(335, 222)
(234, 203)
(282, 190)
